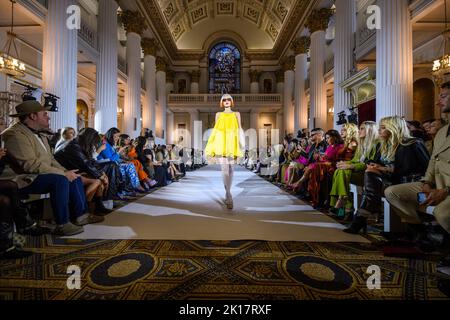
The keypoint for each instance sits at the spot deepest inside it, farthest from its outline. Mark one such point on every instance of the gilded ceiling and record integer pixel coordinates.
(264, 25)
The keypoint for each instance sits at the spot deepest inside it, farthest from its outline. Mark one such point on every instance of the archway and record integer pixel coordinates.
(82, 115)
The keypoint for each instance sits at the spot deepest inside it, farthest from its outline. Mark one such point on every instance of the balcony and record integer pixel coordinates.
(214, 99)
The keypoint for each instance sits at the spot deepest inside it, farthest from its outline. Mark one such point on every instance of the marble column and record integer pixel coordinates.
(317, 24)
(394, 60)
(196, 136)
(161, 125)
(59, 63)
(149, 46)
(289, 78)
(170, 127)
(343, 54)
(254, 124)
(134, 25)
(254, 81)
(300, 47)
(106, 82)
(195, 78)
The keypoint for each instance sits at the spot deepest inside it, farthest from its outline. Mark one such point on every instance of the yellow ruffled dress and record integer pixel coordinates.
(224, 139)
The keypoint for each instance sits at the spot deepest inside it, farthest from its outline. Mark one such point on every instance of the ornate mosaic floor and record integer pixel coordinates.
(137, 269)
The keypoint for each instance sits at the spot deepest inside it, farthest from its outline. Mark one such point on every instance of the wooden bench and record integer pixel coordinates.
(392, 222)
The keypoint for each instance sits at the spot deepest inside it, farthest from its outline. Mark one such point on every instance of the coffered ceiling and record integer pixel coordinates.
(264, 26)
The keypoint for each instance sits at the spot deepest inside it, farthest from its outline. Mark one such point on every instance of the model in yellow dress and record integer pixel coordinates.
(224, 144)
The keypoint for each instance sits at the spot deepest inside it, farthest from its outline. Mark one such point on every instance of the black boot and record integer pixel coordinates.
(358, 223)
(100, 209)
(373, 191)
(7, 248)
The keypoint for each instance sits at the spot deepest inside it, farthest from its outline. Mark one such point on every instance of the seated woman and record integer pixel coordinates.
(140, 145)
(403, 159)
(317, 145)
(127, 152)
(284, 160)
(353, 170)
(78, 155)
(321, 171)
(67, 135)
(173, 161)
(127, 169)
(161, 160)
(299, 162)
(156, 169)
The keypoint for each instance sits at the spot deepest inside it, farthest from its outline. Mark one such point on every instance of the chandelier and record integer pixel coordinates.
(441, 66)
(9, 64)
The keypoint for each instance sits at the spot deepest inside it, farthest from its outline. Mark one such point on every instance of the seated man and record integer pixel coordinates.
(40, 173)
(436, 184)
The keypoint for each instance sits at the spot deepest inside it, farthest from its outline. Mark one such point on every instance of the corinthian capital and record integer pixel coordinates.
(133, 21)
(318, 20)
(288, 63)
(149, 46)
(301, 45)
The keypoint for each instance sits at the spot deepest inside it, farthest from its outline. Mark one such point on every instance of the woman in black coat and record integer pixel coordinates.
(403, 159)
(78, 154)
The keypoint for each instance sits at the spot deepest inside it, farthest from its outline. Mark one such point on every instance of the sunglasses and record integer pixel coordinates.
(227, 99)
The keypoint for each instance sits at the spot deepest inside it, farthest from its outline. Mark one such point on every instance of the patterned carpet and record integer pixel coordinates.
(258, 270)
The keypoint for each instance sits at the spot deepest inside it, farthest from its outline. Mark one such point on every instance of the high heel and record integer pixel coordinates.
(359, 223)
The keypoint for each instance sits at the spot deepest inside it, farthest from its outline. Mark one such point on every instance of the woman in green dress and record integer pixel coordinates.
(353, 170)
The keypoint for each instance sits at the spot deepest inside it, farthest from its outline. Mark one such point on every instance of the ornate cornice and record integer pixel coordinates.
(254, 75)
(133, 21)
(195, 75)
(318, 20)
(288, 63)
(149, 46)
(296, 19)
(301, 45)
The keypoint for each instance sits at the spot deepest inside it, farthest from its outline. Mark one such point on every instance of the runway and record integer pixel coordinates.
(193, 209)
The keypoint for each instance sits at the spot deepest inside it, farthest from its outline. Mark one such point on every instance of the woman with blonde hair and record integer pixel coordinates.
(403, 159)
(353, 170)
(225, 143)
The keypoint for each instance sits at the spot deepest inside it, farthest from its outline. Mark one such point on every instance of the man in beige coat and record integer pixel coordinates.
(40, 173)
(436, 183)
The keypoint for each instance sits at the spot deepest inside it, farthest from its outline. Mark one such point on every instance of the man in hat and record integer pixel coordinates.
(41, 173)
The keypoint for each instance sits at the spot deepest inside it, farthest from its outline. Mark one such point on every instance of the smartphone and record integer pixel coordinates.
(421, 197)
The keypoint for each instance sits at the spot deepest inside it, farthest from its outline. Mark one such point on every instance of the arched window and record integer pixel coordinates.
(224, 69)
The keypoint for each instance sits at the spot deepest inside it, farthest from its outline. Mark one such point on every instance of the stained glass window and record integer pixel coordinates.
(224, 69)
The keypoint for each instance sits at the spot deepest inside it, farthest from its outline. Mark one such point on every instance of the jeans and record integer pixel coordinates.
(67, 198)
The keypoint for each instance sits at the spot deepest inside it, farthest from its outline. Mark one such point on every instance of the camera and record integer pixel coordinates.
(32, 93)
(342, 118)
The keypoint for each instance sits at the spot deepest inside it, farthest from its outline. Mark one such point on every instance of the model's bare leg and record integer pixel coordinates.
(227, 173)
